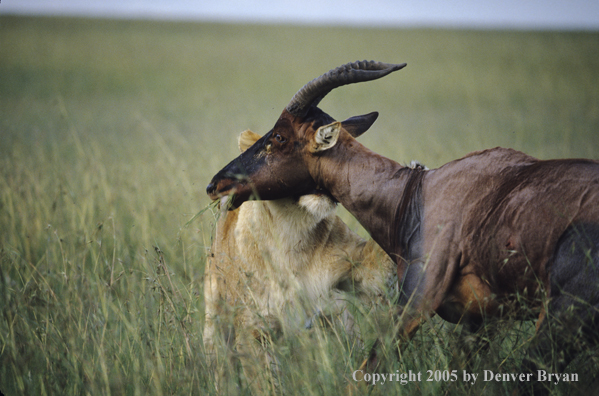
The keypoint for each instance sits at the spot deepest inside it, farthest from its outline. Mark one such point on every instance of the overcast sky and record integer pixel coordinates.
(524, 14)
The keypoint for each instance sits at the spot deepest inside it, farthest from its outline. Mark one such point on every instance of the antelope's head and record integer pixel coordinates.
(279, 164)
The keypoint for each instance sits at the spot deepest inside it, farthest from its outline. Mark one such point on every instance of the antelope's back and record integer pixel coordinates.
(507, 212)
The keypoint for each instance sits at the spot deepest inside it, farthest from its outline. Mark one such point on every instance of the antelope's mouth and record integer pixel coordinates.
(229, 201)
(226, 195)
(224, 201)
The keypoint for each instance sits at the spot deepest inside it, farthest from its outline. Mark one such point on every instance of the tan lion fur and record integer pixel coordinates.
(275, 264)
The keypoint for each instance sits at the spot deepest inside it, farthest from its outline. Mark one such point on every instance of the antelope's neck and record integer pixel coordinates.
(379, 192)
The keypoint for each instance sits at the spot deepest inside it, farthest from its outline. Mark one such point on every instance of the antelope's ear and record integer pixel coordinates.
(326, 137)
(247, 139)
(359, 124)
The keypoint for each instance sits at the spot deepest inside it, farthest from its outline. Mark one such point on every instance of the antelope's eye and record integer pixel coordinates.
(280, 138)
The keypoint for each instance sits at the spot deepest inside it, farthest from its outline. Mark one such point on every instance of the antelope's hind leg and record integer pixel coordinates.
(572, 316)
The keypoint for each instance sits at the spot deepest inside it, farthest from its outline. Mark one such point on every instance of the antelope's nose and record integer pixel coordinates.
(211, 188)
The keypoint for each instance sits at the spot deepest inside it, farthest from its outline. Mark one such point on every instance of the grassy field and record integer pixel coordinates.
(110, 131)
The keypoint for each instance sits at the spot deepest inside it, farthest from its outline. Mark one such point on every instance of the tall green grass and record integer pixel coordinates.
(110, 131)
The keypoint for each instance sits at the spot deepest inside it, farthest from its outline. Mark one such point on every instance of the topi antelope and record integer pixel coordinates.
(274, 264)
(476, 237)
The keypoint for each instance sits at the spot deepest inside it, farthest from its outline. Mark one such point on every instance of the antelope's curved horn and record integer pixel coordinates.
(313, 92)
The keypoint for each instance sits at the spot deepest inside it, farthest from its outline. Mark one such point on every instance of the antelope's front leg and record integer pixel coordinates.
(407, 328)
